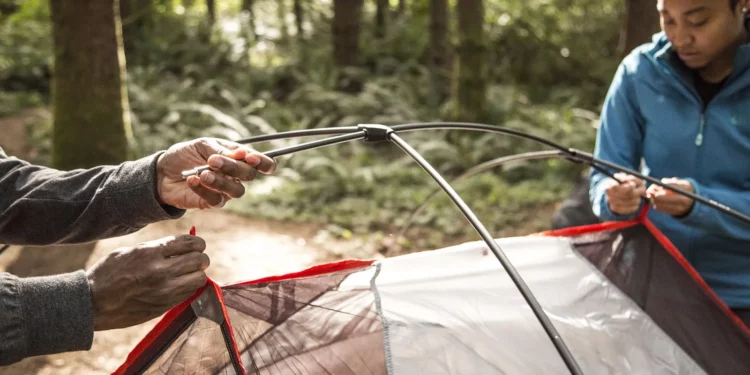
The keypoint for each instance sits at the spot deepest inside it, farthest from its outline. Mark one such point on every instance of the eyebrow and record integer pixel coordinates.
(688, 13)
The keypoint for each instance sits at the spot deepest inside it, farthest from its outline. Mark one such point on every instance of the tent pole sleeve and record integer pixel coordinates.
(557, 340)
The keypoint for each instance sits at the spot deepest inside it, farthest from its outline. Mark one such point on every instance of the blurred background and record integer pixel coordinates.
(91, 82)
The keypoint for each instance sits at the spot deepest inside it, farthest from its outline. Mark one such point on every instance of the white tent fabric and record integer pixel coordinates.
(455, 311)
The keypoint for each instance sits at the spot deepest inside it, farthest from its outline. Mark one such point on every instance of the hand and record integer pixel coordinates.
(136, 284)
(625, 198)
(231, 164)
(664, 200)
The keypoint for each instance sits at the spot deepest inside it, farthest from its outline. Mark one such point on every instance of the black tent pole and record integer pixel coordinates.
(549, 328)
(534, 155)
(358, 134)
(571, 153)
(377, 133)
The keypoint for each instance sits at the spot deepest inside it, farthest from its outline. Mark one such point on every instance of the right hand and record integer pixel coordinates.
(625, 198)
(133, 285)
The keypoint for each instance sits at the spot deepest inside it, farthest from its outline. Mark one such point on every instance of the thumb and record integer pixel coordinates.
(210, 147)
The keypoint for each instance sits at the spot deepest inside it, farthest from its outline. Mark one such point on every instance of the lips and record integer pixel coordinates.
(688, 55)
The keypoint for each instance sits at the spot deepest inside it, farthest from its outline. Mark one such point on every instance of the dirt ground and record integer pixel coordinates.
(240, 249)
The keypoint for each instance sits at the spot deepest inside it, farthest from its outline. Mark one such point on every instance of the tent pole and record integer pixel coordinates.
(512, 272)
(570, 153)
(534, 155)
(359, 134)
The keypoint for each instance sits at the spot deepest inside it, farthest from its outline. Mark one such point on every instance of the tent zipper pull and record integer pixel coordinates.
(699, 137)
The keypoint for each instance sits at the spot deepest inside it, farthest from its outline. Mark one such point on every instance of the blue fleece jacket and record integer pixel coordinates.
(653, 120)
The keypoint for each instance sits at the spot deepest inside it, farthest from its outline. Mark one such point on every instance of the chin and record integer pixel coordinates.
(695, 64)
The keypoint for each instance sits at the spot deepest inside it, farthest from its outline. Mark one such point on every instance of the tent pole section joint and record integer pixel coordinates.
(376, 132)
(549, 328)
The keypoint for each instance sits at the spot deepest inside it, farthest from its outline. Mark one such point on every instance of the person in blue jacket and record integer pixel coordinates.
(678, 110)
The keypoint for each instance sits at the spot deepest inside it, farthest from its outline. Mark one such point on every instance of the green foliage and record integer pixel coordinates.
(549, 64)
(26, 53)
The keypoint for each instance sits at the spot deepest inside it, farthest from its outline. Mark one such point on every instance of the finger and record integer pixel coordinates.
(188, 263)
(261, 162)
(186, 285)
(183, 244)
(640, 191)
(209, 198)
(222, 184)
(234, 168)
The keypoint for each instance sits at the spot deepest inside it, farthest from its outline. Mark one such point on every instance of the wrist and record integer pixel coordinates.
(159, 179)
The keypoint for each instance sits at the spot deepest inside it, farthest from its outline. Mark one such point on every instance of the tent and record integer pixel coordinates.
(619, 295)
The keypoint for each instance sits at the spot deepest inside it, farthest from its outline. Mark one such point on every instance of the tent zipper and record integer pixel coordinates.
(230, 348)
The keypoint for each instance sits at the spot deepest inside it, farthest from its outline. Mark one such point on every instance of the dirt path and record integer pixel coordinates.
(240, 249)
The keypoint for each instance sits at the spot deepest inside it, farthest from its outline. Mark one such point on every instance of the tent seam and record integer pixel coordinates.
(386, 330)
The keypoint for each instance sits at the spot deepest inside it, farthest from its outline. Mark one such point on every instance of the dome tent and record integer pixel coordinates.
(620, 295)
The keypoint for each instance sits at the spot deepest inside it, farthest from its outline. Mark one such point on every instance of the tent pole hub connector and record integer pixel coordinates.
(376, 132)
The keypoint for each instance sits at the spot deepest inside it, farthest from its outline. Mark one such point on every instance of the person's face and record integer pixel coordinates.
(701, 31)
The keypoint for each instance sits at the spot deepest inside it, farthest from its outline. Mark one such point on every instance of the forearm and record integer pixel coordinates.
(42, 206)
(44, 315)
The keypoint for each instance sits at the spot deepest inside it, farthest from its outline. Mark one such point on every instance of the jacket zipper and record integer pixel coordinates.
(699, 137)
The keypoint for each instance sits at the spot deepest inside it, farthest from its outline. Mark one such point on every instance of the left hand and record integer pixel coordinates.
(231, 165)
(667, 201)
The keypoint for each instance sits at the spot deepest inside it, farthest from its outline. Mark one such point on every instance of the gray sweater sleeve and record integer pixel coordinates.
(41, 206)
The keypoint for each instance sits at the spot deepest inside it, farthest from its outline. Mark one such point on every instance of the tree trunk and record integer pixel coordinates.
(641, 23)
(211, 10)
(247, 6)
(401, 6)
(281, 14)
(91, 123)
(347, 15)
(439, 51)
(381, 18)
(469, 84)
(299, 19)
(137, 18)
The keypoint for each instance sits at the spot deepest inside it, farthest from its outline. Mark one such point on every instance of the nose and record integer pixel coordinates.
(681, 37)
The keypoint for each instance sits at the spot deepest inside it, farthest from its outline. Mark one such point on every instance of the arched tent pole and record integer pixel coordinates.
(479, 168)
(571, 154)
(557, 340)
(376, 133)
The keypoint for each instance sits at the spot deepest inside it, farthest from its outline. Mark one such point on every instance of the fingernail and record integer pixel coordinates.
(253, 160)
(194, 181)
(216, 162)
(209, 178)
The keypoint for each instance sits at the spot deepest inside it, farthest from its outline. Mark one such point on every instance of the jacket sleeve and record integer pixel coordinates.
(619, 140)
(44, 315)
(704, 217)
(43, 206)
